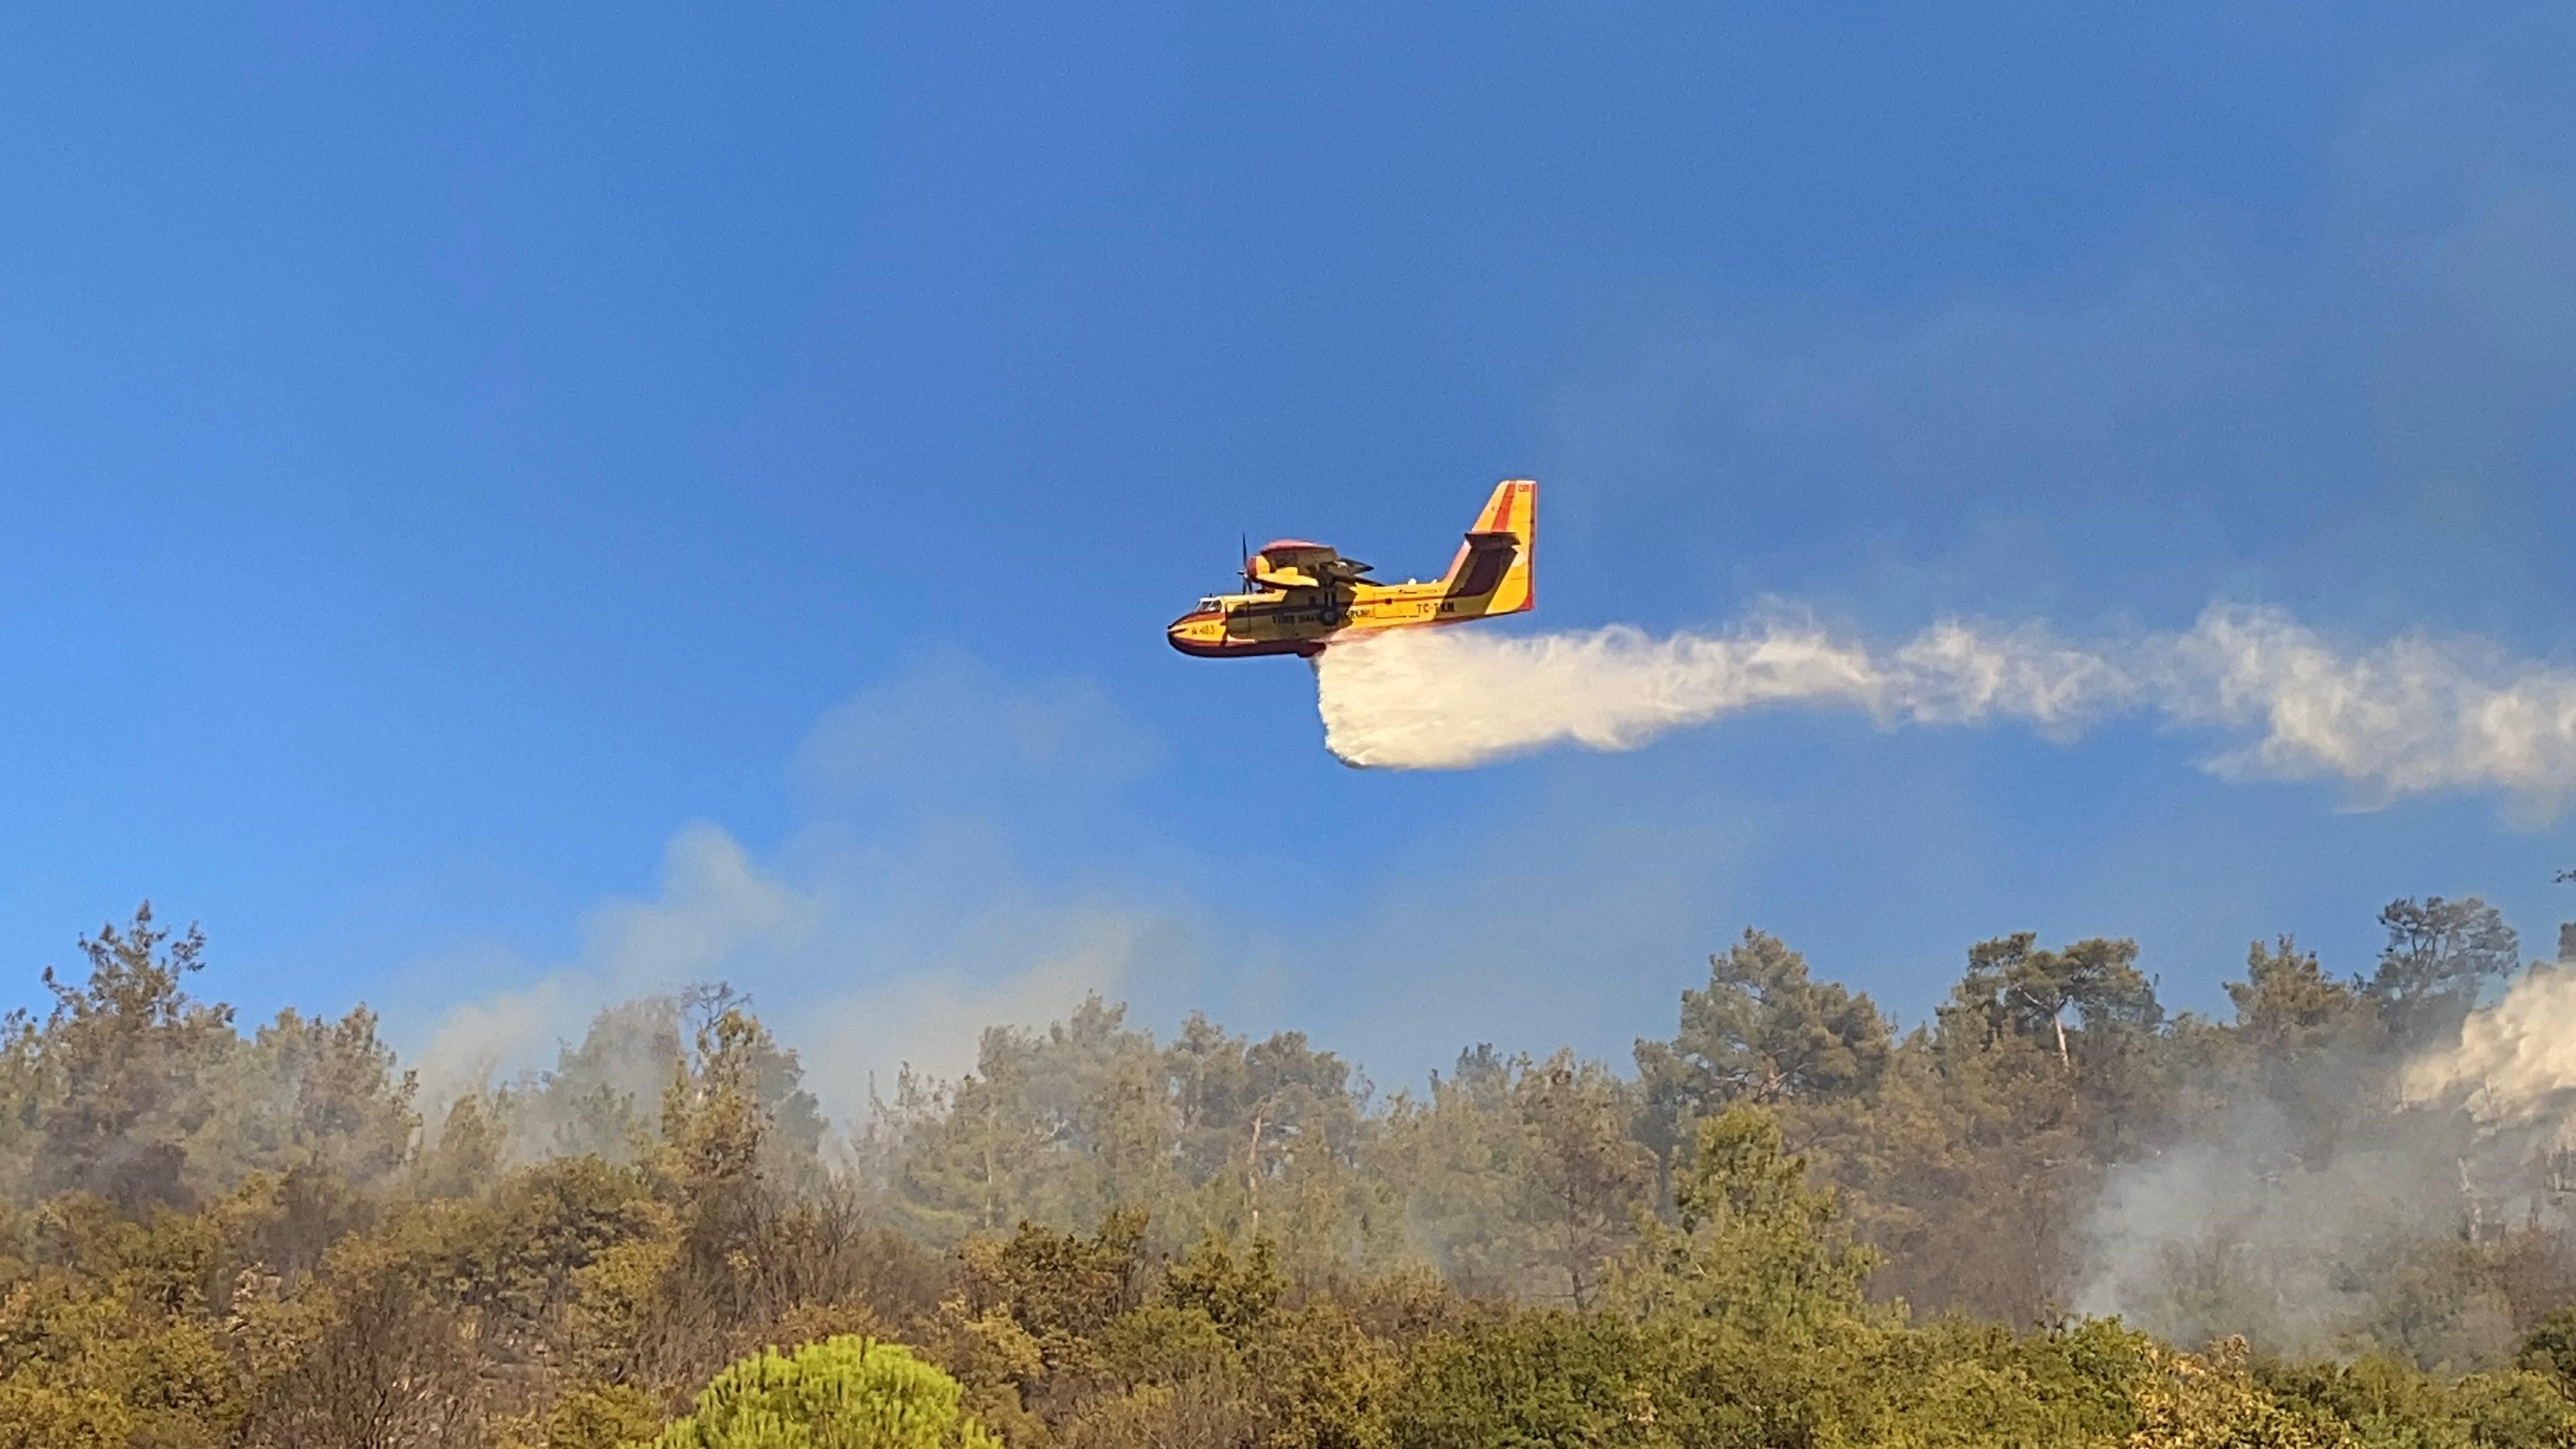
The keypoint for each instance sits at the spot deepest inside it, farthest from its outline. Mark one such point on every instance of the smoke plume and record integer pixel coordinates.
(2288, 1236)
(2420, 713)
(2515, 1061)
(2295, 1219)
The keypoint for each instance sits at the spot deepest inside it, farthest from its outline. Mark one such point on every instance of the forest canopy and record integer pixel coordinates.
(2054, 1212)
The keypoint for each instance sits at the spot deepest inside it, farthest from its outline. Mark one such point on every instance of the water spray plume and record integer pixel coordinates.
(2418, 714)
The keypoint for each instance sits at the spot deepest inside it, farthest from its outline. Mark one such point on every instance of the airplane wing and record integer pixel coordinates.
(1296, 564)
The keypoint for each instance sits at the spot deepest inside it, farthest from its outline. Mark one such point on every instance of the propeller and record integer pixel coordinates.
(1246, 541)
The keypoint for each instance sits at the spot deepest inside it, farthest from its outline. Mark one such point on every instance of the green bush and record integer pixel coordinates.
(843, 1393)
(1531, 1380)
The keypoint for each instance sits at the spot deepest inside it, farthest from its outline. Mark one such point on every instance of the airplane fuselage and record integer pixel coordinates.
(1303, 621)
(1304, 596)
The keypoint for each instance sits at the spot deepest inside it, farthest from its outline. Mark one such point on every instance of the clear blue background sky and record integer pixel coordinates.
(509, 505)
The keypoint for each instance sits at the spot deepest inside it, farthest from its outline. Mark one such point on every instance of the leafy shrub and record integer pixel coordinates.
(843, 1393)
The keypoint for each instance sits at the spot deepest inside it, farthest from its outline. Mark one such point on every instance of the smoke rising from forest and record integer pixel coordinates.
(2289, 1231)
(2287, 1219)
(2515, 1062)
(2420, 713)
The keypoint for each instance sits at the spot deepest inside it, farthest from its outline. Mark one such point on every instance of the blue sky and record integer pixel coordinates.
(504, 508)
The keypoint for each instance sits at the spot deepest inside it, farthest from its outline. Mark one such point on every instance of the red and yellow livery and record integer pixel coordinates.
(1300, 597)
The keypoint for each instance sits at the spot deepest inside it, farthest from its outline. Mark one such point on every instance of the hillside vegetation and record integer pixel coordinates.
(1786, 1224)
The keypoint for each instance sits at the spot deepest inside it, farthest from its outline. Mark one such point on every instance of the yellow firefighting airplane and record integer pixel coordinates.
(1302, 596)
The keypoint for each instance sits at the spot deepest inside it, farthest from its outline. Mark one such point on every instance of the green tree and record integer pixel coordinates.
(2013, 987)
(600, 1094)
(1060, 1288)
(2440, 954)
(847, 1392)
(307, 1093)
(2550, 1347)
(1236, 1294)
(2287, 1003)
(1520, 1177)
(1970, 1162)
(2011, 1013)
(1453, 1162)
(1952, 1169)
(1053, 1127)
(1532, 1380)
(123, 1059)
(2306, 1043)
(1754, 1246)
(1764, 1031)
(1269, 1134)
(2189, 1401)
(1587, 1182)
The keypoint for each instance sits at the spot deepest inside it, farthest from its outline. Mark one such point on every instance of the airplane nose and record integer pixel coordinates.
(1188, 632)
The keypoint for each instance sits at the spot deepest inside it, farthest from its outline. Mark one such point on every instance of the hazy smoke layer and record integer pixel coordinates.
(2269, 1229)
(2420, 713)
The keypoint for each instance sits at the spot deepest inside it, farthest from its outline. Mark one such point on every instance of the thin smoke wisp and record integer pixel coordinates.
(2420, 713)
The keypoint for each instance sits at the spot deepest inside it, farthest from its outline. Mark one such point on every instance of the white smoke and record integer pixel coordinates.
(2256, 1230)
(2419, 713)
(890, 928)
(2283, 1225)
(2515, 1061)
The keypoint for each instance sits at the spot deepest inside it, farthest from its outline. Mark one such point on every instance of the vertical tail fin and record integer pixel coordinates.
(1492, 573)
